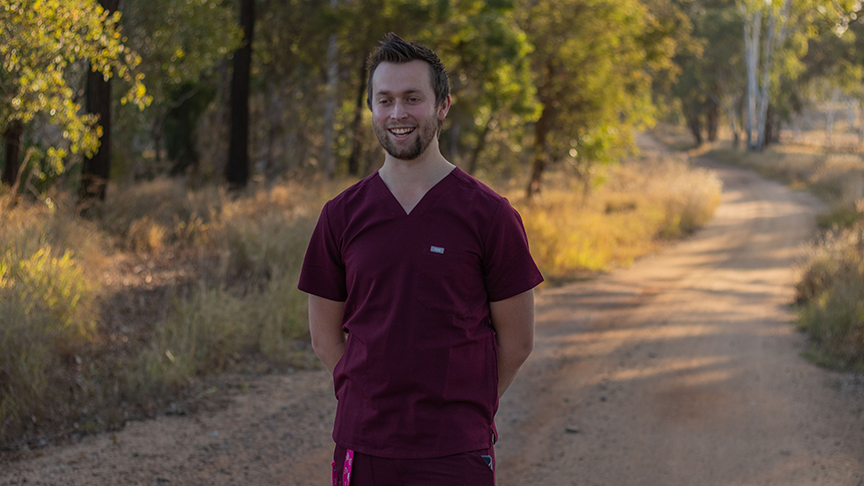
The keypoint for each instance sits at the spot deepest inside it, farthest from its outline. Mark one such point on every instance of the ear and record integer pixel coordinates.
(444, 108)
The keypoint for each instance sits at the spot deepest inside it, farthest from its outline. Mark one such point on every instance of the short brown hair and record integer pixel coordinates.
(397, 50)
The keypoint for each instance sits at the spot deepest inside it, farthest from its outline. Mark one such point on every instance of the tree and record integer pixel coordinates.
(713, 75)
(790, 28)
(758, 91)
(835, 58)
(41, 44)
(182, 44)
(237, 169)
(96, 169)
(328, 158)
(488, 58)
(593, 65)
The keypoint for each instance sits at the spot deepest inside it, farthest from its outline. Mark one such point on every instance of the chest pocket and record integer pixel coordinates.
(448, 280)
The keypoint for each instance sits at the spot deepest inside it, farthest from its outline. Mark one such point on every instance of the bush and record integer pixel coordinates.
(47, 309)
(831, 291)
(245, 307)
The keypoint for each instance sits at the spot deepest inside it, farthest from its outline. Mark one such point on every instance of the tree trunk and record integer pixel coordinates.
(692, 114)
(453, 136)
(541, 130)
(752, 27)
(769, 127)
(861, 123)
(713, 116)
(830, 115)
(481, 143)
(357, 124)
(328, 158)
(96, 170)
(12, 137)
(237, 168)
(767, 65)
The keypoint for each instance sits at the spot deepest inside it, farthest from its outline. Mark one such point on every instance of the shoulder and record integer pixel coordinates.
(355, 194)
(476, 194)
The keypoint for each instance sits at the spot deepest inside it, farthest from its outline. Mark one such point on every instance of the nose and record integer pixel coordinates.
(399, 111)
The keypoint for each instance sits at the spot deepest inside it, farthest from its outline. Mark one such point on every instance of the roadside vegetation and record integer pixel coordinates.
(151, 233)
(130, 314)
(830, 288)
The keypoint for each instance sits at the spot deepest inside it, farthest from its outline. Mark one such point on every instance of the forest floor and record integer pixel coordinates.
(684, 369)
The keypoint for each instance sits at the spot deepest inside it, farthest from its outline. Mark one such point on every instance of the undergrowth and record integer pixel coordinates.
(227, 299)
(830, 288)
(642, 203)
(49, 290)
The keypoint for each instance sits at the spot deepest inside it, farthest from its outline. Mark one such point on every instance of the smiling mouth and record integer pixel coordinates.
(401, 131)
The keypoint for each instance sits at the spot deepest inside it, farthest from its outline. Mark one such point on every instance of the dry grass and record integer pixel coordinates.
(641, 204)
(831, 291)
(169, 284)
(227, 298)
(49, 291)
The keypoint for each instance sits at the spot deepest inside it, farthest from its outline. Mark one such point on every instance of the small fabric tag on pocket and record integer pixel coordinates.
(437, 249)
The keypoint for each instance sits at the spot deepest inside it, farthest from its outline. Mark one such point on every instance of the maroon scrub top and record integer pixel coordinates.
(419, 377)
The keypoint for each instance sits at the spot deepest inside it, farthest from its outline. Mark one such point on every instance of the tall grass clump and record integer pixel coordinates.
(640, 204)
(244, 308)
(48, 306)
(831, 294)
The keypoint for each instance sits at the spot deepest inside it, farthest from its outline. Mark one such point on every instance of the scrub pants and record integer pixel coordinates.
(474, 468)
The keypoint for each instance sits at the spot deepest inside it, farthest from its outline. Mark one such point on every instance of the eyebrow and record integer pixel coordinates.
(407, 91)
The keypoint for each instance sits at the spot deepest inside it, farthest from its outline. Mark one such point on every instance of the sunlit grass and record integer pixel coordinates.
(641, 204)
(831, 290)
(235, 306)
(49, 290)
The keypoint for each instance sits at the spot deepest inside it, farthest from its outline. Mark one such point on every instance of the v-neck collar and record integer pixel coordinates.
(422, 205)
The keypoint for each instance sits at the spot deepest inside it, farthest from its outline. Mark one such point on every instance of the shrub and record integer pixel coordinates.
(831, 291)
(50, 265)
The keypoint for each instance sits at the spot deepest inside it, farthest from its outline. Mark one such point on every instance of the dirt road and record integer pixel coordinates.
(682, 370)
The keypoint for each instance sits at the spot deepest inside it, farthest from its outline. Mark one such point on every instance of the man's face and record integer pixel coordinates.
(404, 113)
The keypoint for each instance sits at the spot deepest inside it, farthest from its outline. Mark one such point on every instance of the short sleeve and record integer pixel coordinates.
(508, 268)
(323, 272)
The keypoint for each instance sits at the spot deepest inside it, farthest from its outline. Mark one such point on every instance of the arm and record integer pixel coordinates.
(325, 326)
(513, 320)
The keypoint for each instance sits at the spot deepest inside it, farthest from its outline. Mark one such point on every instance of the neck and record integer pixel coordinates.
(425, 171)
(409, 180)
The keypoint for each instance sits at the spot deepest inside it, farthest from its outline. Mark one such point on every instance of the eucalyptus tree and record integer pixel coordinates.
(487, 56)
(836, 57)
(777, 55)
(183, 44)
(43, 46)
(713, 75)
(593, 65)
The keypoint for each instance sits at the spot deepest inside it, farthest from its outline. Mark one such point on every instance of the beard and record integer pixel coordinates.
(425, 134)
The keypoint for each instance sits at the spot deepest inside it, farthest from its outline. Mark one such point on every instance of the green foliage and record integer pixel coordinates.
(593, 63)
(830, 291)
(182, 44)
(41, 43)
(47, 306)
(488, 60)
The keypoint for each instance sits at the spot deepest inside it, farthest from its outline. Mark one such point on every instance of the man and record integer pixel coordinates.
(421, 299)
